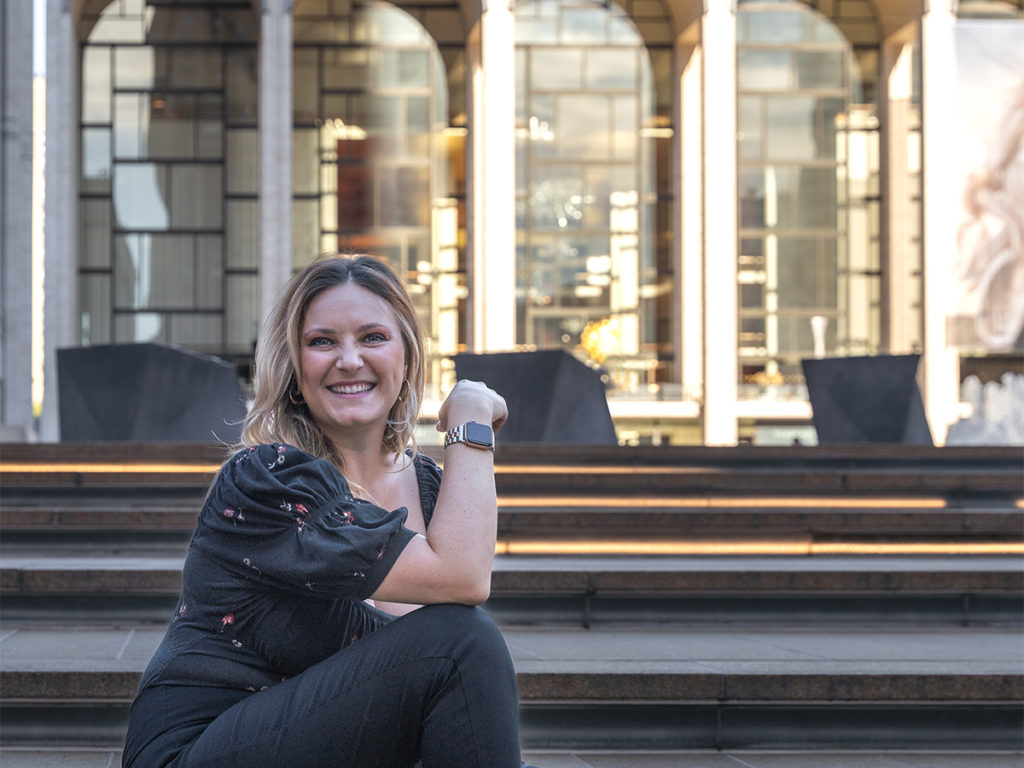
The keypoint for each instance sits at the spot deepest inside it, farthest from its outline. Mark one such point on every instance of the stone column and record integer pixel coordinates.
(16, 419)
(275, 151)
(720, 235)
(492, 302)
(61, 207)
(688, 183)
(940, 364)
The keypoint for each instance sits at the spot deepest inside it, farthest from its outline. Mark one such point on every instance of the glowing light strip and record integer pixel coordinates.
(110, 468)
(739, 547)
(801, 502)
(531, 469)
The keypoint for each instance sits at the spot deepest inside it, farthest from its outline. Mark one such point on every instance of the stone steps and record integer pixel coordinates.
(663, 687)
(866, 597)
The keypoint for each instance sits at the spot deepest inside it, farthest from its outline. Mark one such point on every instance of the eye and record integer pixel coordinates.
(375, 337)
(318, 341)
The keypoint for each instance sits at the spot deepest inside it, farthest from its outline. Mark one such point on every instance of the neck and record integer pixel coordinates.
(363, 459)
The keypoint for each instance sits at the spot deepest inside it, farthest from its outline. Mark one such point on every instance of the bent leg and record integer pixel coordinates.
(436, 685)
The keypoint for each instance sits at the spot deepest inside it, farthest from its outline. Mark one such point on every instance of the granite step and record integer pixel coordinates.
(48, 587)
(624, 687)
(110, 757)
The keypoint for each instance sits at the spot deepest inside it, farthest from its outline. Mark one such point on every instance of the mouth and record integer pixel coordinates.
(350, 389)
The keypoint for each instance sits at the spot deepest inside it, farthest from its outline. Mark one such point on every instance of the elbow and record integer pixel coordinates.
(475, 592)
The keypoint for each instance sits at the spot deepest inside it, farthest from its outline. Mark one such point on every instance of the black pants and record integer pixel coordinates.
(435, 686)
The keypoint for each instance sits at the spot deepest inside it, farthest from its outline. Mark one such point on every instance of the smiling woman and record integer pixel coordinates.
(352, 362)
(318, 543)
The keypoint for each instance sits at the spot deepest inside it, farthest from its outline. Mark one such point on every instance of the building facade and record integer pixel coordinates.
(691, 196)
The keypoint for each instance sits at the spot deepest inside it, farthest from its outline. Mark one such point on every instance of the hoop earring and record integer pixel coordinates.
(403, 392)
(291, 396)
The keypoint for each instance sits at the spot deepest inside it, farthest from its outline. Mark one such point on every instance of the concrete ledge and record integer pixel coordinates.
(521, 575)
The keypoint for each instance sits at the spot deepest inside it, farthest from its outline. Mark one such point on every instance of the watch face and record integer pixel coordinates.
(480, 434)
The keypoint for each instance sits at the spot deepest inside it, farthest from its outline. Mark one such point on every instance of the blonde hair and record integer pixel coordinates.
(278, 413)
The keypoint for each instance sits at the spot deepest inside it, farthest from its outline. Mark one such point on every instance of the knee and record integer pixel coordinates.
(463, 630)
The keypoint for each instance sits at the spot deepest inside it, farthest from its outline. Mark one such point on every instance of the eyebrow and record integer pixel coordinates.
(361, 329)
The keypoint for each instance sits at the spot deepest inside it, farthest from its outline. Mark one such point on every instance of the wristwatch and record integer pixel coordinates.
(471, 433)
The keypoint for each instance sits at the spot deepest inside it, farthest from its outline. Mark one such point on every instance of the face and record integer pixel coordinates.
(353, 361)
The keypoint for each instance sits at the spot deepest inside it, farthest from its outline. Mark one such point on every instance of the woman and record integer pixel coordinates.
(276, 655)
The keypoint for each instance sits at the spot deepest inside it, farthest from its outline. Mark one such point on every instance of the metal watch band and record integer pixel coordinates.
(460, 434)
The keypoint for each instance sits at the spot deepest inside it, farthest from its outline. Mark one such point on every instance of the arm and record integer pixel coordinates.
(452, 562)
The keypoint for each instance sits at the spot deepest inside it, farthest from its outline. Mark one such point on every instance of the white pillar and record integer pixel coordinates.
(275, 151)
(720, 332)
(492, 304)
(940, 365)
(689, 187)
(61, 207)
(15, 221)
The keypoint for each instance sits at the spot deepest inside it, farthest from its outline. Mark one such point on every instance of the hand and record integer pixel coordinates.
(471, 401)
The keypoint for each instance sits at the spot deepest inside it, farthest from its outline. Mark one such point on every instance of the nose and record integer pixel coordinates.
(349, 357)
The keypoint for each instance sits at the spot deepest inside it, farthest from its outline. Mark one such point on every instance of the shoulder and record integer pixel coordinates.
(267, 471)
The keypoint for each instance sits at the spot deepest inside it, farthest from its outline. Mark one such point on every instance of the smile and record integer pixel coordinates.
(350, 389)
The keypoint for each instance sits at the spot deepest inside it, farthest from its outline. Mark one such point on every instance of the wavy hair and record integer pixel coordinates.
(278, 414)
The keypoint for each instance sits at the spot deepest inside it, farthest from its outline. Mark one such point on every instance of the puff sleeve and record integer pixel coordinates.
(288, 520)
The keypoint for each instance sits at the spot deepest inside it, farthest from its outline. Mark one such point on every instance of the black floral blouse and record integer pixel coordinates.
(281, 560)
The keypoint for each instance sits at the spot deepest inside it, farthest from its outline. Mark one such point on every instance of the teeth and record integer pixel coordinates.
(350, 389)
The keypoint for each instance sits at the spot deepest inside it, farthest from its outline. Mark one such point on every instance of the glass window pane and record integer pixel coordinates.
(305, 232)
(171, 274)
(534, 30)
(819, 69)
(196, 331)
(210, 130)
(305, 161)
(195, 67)
(242, 91)
(583, 127)
(612, 68)
(760, 70)
(583, 25)
(346, 68)
(140, 328)
(95, 223)
(96, 85)
(801, 127)
(242, 299)
(96, 166)
(776, 26)
(305, 86)
(403, 68)
(95, 298)
(404, 197)
(751, 192)
(171, 131)
(417, 120)
(624, 135)
(140, 196)
(553, 69)
(134, 68)
(243, 234)
(209, 250)
(196, 196)
(243, 168)
(798, 273)
(356, 203)
(749, 136)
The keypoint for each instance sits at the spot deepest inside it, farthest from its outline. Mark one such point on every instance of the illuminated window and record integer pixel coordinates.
(168, 175)
(377, 163)
(593, 204)
(808, 185)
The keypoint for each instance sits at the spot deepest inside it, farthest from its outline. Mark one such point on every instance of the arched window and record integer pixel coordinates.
(372, 148)
(592, 179)
(808, 190)
(169, 174)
